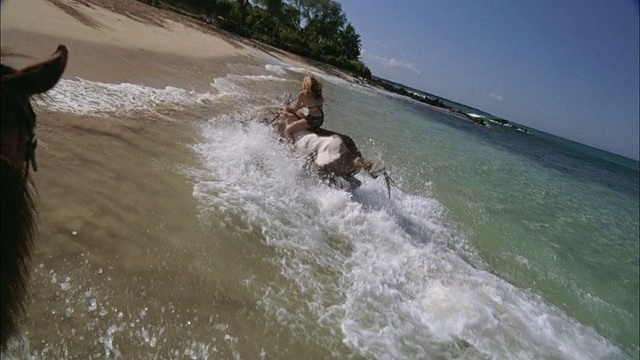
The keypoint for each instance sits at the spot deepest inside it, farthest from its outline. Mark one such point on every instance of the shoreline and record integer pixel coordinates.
(158, 31)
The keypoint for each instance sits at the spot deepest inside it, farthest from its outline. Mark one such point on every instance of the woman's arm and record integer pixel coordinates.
(299, 104)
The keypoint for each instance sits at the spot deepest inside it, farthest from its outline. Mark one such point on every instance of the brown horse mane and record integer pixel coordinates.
(17, 222)
(18, 212)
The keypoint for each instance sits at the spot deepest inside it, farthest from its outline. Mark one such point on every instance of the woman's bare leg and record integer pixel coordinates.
(293, 127)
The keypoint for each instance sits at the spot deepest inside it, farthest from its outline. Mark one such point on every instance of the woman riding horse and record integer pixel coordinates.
(17, 153)
(333, 154)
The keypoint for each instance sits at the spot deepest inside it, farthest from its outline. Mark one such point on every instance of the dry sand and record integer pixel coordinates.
(110, 28)
(117, 219)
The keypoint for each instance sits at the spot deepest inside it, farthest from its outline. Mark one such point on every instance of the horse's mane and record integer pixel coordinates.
(18, 222)
(16, 233)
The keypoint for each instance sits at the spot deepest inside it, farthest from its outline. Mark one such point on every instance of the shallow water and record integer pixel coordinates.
(498, 245)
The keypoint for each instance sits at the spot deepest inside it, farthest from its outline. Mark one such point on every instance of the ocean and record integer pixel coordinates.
(497, 244)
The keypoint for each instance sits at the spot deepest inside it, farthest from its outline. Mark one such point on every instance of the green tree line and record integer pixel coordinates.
(317, 29)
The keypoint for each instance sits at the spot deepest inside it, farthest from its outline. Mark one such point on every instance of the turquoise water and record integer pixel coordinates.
(499, 244)
(546, 214)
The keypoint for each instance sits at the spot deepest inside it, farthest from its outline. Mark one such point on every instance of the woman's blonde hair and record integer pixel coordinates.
(312, 84)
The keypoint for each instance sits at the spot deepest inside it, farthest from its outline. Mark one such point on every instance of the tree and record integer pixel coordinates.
(351, 43)
(313, 28)
(273, 7)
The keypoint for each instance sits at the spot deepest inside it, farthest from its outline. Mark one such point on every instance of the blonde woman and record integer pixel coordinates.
(311, 98)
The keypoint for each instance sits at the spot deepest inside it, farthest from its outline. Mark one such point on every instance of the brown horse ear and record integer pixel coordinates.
(41, 77)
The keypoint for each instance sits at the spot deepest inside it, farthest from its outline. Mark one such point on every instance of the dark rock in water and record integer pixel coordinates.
(478, 120)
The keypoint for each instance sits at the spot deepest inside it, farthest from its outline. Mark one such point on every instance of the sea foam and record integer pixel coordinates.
(86, 97)
(381, 276)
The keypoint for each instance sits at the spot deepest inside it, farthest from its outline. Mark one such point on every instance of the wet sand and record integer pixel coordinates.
(121, 250)
(123, 264)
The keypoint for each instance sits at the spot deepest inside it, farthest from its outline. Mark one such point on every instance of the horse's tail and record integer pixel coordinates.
(367, 165)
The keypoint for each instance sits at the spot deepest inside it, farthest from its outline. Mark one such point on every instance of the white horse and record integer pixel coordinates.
(332, 154)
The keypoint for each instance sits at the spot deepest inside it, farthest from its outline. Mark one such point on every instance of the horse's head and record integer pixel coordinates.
(17, 151)
(18, 118)
(369, 166)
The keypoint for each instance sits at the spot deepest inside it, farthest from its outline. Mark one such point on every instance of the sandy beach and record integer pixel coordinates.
(115, 210)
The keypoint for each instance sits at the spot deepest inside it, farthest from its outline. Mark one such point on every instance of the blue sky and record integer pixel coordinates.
(566, 67)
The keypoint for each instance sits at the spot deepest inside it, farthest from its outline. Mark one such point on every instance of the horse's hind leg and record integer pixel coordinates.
(353, 182)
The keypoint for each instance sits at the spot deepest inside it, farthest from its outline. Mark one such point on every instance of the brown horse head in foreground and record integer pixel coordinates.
(332, 154)
(17, 205)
